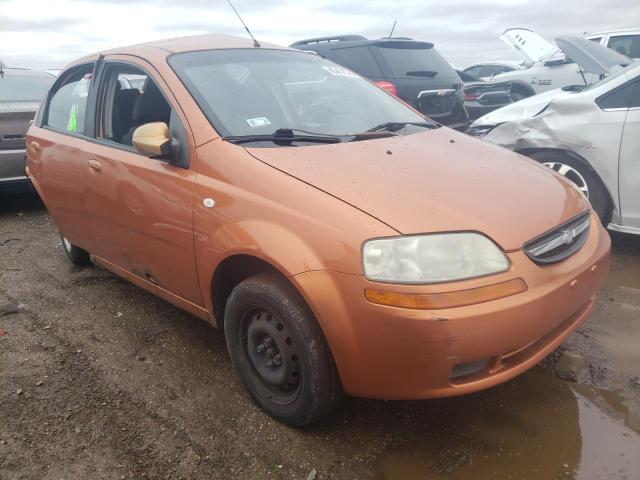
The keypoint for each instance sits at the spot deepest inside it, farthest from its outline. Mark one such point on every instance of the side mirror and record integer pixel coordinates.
(152, 139)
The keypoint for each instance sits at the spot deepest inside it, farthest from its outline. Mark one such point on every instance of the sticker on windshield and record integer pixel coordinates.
(258, 122)
(339, 71)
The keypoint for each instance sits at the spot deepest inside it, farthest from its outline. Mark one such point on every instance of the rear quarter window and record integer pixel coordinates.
(358, 59)
(410, 59)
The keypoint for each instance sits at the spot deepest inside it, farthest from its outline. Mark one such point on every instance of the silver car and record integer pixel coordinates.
(589, 134)
(21, 91)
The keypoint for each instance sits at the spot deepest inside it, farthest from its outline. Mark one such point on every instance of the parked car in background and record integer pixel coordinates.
(481, 97)
(547, 67)
(21, 91)
(414, 71)
(484, 71)
(340, 240)
(590, 135)
(626, 42)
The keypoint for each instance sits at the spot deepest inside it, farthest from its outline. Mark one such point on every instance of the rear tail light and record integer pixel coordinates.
(389, 87)
(471, 96)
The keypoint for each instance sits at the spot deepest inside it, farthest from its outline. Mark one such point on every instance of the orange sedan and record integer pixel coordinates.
(342, 241)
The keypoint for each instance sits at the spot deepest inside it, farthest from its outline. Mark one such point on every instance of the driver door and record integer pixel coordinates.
(140, 207)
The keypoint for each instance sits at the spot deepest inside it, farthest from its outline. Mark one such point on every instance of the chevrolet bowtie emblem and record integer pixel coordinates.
(569, 236)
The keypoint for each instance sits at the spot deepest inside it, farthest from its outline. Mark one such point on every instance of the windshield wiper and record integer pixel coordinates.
(285, 136)
(395, 126)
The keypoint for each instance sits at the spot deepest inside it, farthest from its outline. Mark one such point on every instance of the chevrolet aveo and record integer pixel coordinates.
(342, 242)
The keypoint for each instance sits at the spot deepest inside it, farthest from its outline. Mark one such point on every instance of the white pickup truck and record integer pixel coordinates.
(545, 66)
(626, 42)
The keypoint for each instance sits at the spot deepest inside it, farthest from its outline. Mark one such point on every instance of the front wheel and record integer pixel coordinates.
(582, 177)
(279, 351)
(77, 255)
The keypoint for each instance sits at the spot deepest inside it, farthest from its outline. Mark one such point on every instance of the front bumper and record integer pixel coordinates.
(396, 353)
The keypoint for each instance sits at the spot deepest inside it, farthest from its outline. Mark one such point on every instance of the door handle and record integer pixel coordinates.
(35, 146)
(95, 166)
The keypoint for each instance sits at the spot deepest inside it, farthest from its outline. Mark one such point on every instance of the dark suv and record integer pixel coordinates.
(413, 70)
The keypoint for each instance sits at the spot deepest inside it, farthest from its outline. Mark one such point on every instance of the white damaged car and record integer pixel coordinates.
(589, 134)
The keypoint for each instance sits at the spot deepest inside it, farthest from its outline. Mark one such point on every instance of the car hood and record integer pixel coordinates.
(436, 181)
(531, 46)
(591, 56)
(525, 108)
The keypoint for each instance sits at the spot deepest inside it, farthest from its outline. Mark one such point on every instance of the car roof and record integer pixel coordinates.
(191, 43)
(608, 32)
(25, 72)
(323, 43)
(502, 63)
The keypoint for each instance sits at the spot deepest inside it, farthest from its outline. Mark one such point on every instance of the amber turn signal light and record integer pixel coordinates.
(435, 301)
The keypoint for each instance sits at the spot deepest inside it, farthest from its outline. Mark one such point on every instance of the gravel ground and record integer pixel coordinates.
(99, 379)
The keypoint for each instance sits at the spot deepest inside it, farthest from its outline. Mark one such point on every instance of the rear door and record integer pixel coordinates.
(140, 207)
(55, 154)
(629, 170)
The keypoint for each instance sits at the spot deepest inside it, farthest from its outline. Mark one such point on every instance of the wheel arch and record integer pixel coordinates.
(580, 159)
(517, 85)
(229, 273)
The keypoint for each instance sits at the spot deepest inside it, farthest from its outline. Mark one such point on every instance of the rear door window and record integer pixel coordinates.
(414, 59)
(628, 45)
(68, 102)
(360, 60)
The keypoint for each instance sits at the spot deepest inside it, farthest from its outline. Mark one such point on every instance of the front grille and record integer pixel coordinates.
(561, 242)
(434, 105)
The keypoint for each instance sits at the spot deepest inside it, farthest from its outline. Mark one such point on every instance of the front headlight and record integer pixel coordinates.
(431, 258)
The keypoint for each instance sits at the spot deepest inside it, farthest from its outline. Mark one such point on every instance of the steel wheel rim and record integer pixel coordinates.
(269, 348)
(570, 174)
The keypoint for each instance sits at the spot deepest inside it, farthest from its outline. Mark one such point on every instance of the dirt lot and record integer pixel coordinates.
(99, 379)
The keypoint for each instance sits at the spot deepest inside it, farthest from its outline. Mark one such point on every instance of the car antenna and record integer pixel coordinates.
(255, 42)
(392, 29)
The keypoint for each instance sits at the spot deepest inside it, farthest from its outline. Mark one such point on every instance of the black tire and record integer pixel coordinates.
(77, 255)
(596, 191)
(303, 385)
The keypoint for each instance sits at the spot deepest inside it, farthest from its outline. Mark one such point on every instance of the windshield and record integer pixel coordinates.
(258, 91)
(24, 88)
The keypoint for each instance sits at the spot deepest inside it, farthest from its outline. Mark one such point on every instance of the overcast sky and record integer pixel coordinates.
(50, 33)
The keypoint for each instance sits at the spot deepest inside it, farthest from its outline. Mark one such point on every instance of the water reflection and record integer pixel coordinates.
(535, 427)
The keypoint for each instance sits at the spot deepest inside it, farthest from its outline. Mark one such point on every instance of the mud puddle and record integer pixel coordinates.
(535, 427)
(627, 275)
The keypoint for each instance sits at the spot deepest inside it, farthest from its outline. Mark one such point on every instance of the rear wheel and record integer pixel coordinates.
(279, 351)
(584, 178)
(77, 255)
